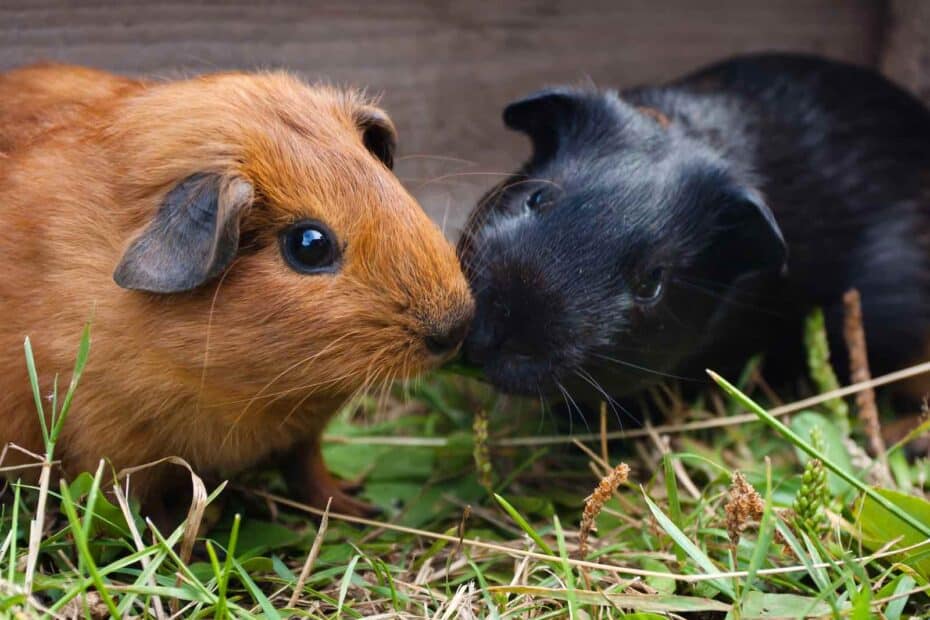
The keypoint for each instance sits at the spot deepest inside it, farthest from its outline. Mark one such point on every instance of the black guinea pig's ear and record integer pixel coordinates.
(192, 238)
(542, 115)
(753, 234)
(378, 133)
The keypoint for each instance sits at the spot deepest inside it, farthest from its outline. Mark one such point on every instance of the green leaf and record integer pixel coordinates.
(833, 447)
(281, 569)
(638, 602)
(766, 605)
(923, 526)
(108, 519)
(664, 585)
(879, 526)
(257, 537)
(896, 607)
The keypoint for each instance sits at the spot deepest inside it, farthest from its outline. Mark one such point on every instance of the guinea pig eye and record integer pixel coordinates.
(534, 200)
(309, 247)
(648, 287)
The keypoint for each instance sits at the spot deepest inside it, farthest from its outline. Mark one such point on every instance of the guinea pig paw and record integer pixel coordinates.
(309, 478)
(319, 491)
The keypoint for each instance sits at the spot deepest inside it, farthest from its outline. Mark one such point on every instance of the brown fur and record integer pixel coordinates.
(252, 364)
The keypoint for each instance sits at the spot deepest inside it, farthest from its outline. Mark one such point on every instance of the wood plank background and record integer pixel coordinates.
(447, 67)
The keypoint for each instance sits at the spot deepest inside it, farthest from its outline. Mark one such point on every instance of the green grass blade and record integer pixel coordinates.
(787, 433)
(155, 558)
(567, 570)
(818, 575)
(79, 365)
(223, 580)
(346, 581)
(80, 540)
(220, 609)
(92, 501)
(485, 593)
(695, 553)
(896, 607)
(674, 504)
(36, 390)
(764, 539)
(11, 569)
(266, 606)
(524, 524)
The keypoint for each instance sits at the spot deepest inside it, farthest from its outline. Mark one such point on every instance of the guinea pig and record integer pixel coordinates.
(668, 229)
(247, 258)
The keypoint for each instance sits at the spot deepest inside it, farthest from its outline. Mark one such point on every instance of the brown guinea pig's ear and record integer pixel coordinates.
(193, 237)
(378, 133)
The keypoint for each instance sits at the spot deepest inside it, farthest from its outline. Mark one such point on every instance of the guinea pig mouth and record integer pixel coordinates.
(523, 375)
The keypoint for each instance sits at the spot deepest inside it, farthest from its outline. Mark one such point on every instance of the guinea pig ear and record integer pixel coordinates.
(193, 237)
(754, 235)
(378, 133)
(541, 115)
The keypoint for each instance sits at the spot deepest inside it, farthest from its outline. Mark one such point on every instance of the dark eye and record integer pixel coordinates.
(308, 247)
(534, 200)
(648, 287)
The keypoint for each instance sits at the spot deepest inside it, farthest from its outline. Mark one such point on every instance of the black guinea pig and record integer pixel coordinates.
(664, 230)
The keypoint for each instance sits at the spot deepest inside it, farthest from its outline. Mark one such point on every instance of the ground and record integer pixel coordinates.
(491, 509)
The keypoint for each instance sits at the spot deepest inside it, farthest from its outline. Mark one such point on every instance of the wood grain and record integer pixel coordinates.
(446, 68)
(906, 50)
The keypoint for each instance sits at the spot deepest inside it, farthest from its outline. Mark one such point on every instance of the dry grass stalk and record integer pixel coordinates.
(600, 566)
(745, 506)
(198, 501)
(194, 514)
(37, 525)
(594, 503)
(854, 333)
(123, 502)
(719, 421)
(311, 557)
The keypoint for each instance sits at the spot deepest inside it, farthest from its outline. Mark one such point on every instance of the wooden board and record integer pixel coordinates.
(446, 68)
(906, 46)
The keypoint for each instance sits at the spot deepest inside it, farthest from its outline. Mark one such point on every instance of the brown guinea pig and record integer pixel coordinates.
(247, 257)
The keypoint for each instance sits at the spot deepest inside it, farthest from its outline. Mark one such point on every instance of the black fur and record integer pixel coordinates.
(838, 154)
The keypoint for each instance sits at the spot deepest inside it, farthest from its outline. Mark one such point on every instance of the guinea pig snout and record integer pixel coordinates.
(518, 330)
(443, 327)
(446, 338)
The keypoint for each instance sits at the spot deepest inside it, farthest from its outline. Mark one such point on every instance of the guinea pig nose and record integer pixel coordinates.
(445, 339)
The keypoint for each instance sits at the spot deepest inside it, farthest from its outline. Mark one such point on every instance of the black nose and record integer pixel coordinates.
(445, 339)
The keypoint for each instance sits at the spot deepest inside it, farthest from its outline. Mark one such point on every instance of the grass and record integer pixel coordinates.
(735, 507)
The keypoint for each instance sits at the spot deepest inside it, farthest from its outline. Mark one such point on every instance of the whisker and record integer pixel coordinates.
(457, 160)
(577, 408)
(611, 402)
(206, 348)
(728, 299)
(648, 370)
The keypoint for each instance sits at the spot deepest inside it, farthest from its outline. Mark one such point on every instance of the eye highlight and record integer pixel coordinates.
(310, 248)
(649, 286)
